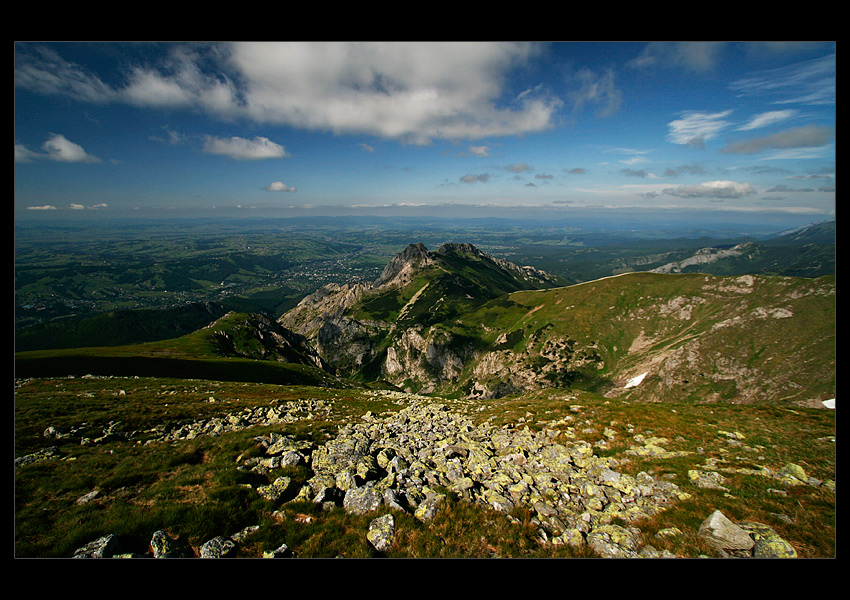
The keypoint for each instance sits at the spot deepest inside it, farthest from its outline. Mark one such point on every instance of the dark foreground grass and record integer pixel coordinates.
(194, 491)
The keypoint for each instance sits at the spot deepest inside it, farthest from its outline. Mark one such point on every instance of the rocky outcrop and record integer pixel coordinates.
(405, 459)
(421, 359)
(347, 343)
(706, 256)
(260, 337)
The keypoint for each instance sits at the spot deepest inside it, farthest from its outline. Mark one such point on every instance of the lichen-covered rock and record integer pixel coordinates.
(279, 488)
(360, 500)
(707, 479)
(381, 532)
(106, 546)
(281, 551)
(768, 544)
(163, 546)
(792, 474)
(218, 547)
(613, 541)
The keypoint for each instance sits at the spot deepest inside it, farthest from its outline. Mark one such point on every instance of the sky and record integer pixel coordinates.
(550, 130)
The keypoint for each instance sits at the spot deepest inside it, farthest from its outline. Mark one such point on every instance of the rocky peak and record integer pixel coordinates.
(411, 259)
(460, 249)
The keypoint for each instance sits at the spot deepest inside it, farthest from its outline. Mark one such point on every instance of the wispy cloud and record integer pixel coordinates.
(767, 118)
(596, 90)
(692, 56)
(695, 128)
(808, 82)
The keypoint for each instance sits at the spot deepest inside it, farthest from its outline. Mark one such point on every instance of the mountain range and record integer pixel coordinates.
(461, 323)
(458, 322)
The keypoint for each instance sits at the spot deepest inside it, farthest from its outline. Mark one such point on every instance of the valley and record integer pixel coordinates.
(630, 356)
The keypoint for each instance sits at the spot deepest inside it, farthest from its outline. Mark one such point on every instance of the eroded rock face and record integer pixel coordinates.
(424, 359)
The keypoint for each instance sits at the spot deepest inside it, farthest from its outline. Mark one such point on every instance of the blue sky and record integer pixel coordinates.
(746, 130)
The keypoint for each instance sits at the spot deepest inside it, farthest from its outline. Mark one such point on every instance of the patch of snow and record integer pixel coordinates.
(829, 403)
(635, 381)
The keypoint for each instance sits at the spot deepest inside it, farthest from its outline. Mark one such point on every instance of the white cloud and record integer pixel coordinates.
(45, 207)
(409, 91)
(807, 82)
(59, 148)
(279, 186)
(23, 154)
(241, 149)
(712, 189)
(767, 118)
(481, 151)
(696, 128)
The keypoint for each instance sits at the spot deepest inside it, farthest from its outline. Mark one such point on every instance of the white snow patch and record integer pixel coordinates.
(829, 403)
(635, 381)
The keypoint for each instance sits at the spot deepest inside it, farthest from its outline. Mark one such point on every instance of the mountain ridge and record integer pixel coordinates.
(507, 343)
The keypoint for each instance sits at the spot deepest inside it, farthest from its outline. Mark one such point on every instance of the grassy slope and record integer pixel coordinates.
(192, 356)
(714, 325)
(194, 491)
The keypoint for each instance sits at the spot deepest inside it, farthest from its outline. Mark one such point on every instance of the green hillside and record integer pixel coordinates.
(695, 336)
(197, 355)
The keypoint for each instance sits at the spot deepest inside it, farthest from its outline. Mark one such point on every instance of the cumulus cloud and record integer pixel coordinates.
(712, 189)
(279, 186)
(797, 137)
(242, 149)
(695, 128)
(92, 207)
(409, 91)
(479, 151)
(57, 148)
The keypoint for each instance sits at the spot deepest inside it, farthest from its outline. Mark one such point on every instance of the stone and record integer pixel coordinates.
(218, 547)
(613, 541)
(106, 546)
(164, 546)
(282, 551)
(381, 532)
(723, 534)
(360, 500)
